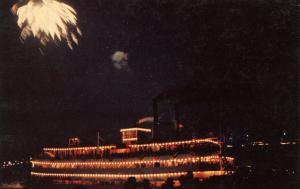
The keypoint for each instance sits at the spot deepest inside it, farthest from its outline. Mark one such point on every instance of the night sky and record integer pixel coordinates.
(183, 44)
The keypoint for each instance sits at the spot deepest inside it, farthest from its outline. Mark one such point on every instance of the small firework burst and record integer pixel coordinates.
(120, 59)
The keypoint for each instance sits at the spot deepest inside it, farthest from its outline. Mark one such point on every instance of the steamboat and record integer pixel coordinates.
(140, 154)
(155, 161)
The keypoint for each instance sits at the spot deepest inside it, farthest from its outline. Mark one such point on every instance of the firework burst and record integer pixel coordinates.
(48, 20)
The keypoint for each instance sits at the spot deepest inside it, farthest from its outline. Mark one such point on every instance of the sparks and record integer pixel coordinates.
(48, 20)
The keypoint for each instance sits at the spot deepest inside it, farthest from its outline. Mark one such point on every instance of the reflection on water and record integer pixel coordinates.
(245, 177)
(12, 185)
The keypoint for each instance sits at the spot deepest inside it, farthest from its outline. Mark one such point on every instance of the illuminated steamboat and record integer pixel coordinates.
(154, 161)
(141, 155)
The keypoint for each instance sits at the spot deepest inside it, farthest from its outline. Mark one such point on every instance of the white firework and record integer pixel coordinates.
(120, 59)
(119, 56)
(48, 20)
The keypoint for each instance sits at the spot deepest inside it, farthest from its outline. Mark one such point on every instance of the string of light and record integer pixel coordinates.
(125, 176)
(207, 140)
(136, 129)
(195, 141)
(209, 159)
(81, 148)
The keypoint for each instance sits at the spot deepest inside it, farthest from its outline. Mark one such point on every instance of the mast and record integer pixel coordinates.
(155, 118)
(98, 139)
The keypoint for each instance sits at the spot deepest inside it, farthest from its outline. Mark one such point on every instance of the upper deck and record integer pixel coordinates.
(156, 148)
